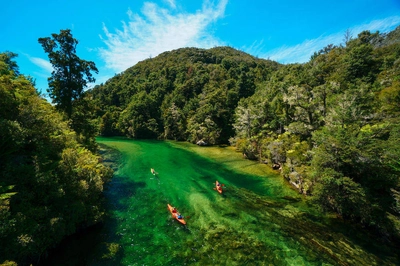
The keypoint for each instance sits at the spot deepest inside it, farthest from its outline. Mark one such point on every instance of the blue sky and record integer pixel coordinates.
(118, 34)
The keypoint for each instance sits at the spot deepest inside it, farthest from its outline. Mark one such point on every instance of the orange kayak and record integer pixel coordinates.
(218, 185)
(176, 214)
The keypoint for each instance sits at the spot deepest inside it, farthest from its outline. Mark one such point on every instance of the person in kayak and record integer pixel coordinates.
(178, 215)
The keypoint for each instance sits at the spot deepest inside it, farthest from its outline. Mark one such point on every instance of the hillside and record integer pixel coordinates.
(174, 95)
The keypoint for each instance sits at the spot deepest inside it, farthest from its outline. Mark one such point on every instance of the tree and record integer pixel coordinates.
(173, 123)
(71, 74)
(139, 119)
(347, 36)
(7, 64)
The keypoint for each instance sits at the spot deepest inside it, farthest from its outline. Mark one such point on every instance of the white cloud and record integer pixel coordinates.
(43, 64)
(301, 53)
(157, 31)
(382, 25)
(171, 3)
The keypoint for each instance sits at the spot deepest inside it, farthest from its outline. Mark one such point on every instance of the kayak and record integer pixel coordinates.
(153, 171)
(218, 186)
(176, 214)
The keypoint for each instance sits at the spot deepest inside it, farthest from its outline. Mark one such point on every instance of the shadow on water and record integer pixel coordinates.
(99, 244)
(74, 249)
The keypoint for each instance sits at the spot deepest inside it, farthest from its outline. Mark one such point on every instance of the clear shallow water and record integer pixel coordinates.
(258, 220)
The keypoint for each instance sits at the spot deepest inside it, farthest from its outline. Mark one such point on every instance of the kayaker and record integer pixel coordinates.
(179, 216)
(174, 210)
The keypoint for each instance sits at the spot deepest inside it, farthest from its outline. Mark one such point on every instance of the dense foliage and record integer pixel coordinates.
(331, 125)
(50, 185)
(187, 94)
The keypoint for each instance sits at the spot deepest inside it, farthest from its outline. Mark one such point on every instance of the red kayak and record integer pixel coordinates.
(218, 186)
(176, 214)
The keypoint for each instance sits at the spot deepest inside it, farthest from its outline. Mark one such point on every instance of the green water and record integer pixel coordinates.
(258, 220)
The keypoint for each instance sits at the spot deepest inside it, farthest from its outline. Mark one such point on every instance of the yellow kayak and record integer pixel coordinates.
(153, 171)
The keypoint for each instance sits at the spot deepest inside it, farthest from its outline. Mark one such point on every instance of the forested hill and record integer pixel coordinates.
(331, 125)
(186, 94)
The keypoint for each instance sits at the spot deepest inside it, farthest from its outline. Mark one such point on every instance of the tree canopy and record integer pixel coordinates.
(71, 74)
(186, 94)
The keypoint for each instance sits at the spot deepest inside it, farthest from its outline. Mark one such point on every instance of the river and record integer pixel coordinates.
(258, 220)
